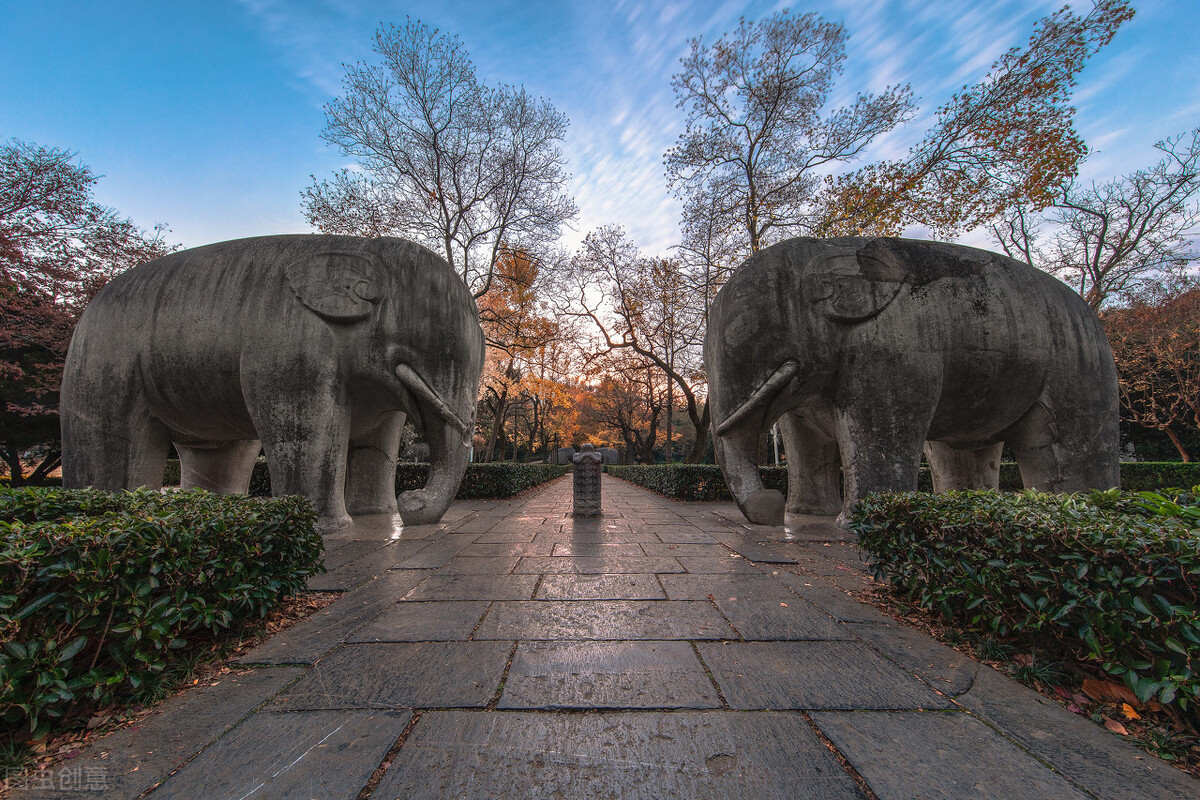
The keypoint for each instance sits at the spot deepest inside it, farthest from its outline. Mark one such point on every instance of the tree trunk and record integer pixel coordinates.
(13, 459)
(1178, 445)
(703, 435)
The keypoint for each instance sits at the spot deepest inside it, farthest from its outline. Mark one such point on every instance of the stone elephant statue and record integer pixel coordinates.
(314, 348)
(866, 350)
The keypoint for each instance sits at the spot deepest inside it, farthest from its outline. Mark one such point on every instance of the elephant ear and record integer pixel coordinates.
(855, 286)
(339, 286)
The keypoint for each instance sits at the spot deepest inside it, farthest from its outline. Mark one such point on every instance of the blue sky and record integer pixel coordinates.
(208, 115)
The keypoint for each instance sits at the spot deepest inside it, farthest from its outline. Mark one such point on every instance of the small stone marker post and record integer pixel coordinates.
(587, 482)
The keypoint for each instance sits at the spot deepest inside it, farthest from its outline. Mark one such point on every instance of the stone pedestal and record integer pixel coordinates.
(587, 482)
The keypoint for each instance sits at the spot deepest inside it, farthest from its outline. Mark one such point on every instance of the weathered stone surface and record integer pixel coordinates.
(326, 754)
(678, 534)
(951, 755)
(1088, 755)
(129, 761)
(786, 620)
(691, 550)
(607, 675)
(942, 667)
(474, 587)
(471, 565)
(599, 587)
(506, 549)
(972, 347)
(327, 315)
(729, 564)
(427, 675)
(439, 621)
(747, 547)
(759, 588)
(438, 552)
(812, 675)
(592, 547)
(603, 619)
(826, 596)
(588, 468)
(309, 639)
(619, 756)
(365, 567)
(597, 565)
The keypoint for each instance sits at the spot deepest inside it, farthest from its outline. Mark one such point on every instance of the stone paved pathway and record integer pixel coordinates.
(666, 650)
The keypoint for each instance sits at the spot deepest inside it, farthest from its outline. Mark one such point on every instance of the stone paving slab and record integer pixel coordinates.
(308, 640)
(424, 675)
(599, 587)
(794, 619)
(942, 667)
(131, 760)
(474, 587)
(314, 754)
(812, 675)
(607, 675)
(435, 621)
(826, 595)
(596, 565)
(367, 566)
(603, 620)
(951, 755)
(626, 756)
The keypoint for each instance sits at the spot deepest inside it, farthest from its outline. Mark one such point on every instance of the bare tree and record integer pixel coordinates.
(757, 132)
(472, 171)
(1109, 239)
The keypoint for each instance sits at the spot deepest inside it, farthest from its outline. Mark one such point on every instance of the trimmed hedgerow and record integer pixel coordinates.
(700, 482)
(704, 481)
(99, 591)
(498, 479)
(1113, 576)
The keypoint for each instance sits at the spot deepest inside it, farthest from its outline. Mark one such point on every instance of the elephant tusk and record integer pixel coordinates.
(786, 371)
(423, 392)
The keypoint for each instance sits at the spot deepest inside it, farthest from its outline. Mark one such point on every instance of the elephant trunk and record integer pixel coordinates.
(448, 454)
(736, 449)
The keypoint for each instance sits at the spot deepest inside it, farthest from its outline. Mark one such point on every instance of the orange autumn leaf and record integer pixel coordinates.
(1108, 691)
(1128, 711)
(1115, 726)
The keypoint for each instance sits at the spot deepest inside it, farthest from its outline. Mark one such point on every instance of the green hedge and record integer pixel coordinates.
(100, 591)
(1114, 576)
(704, 481)
(499, 479)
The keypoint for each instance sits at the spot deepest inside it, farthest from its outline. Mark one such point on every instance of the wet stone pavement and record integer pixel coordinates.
(663, 650)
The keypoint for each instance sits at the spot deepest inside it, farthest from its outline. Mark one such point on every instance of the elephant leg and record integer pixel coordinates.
(955, 468)
(371, 468)
(1060, 447)
(221, 467)
(306, 437)
(881, 428)
(814, 465)
(112, 445)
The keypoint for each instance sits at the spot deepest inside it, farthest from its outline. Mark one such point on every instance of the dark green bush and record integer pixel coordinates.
(98, 590)
(691, 481)
(1113, 576)
(499, 479)
(704, 481)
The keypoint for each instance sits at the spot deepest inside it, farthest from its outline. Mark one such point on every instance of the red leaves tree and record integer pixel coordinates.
(58, 246)
(1157, 349)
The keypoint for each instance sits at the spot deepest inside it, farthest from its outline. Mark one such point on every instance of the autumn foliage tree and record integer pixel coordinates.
(1008, 140)
(1157, 349)
(58, 246)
